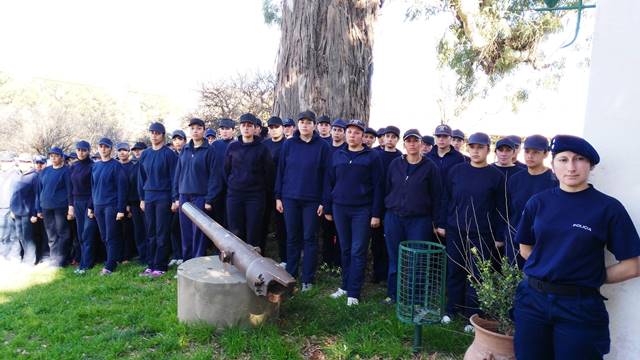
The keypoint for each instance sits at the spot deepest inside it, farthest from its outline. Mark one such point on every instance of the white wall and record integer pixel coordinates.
(612, 125)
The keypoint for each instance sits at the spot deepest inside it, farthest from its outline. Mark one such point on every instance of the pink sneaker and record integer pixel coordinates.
(156, 273)
(146, 272)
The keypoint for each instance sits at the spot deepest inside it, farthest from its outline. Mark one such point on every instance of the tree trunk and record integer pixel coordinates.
(325, 59)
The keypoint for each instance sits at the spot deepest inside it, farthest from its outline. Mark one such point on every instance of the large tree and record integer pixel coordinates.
(325, 59)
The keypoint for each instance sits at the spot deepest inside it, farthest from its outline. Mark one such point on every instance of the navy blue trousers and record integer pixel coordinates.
(108, 226)
(244, 216)
(157, 216)
(139, 231)
(379, 253)
(301, 220)
(86, 232)
(559, 327)
(330, 243)
(396, 230)
(59, 235)
(353, 224)
(194, 243)
(175, 244)
(24, 232)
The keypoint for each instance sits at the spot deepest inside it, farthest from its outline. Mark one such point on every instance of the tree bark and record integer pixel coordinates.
(325, 58)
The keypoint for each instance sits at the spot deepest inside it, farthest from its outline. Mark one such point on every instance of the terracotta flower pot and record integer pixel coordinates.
(488, 344)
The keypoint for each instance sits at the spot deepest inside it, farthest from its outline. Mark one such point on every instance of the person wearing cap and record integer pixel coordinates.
(39, 163)
(193, 183)
(227, 131)
(299, 191)
(9, 174)
(178, 139)
(23, 209)
(475, 201)
(324, 128)
(130, 244)
(558, 309)
(444, 154)
(517, 141)
(380, 134)
(53, 206)
(155, 176)
(354, 201)
(274, 143)
(109, 189)
(378, 247)
(249, 172)
(39, 232)
(427, 144)
(369, 137)
(504, 150)
(134, 212)
(523, 185)
(457, 139)
(80, 196)
(337, 134)
(136, 150)
(210, 134)
(289, 126)
(412, 197)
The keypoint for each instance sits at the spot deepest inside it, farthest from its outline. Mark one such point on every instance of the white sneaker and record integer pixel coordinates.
(469, 328)
(283, 265)
(338, 293)
(172, 262)
(179, 262)
(352, 301)
(445, 320)
(306, 287)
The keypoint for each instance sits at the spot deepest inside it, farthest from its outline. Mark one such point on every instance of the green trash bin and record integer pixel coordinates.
(422, 271)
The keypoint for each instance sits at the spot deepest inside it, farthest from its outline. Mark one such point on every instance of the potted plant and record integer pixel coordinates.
(495, 287)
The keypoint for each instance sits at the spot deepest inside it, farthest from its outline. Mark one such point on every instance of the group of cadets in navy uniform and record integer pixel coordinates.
(310, 176)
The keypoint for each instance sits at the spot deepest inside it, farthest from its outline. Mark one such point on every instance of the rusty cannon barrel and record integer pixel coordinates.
(264, 276)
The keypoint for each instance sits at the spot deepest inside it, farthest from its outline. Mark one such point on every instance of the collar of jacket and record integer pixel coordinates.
(205, 144)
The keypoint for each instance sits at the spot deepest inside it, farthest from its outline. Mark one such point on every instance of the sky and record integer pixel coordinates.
(169, 48)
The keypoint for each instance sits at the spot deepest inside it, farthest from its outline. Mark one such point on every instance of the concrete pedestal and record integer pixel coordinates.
(217, 294)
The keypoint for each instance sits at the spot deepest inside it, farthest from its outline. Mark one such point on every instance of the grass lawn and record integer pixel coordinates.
(58, 315)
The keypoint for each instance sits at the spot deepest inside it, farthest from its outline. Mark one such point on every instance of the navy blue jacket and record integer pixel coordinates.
(475, 201)
(387, 157)
(413, 192)
(219, 185)
(155, 174)
(23, 197)
(248, 167)
(131, 170)
(302, 169)
(274, 148)
(569, 232)
(194, 171)
(328, 139)
(508, 171)
(355, 179)
(109, 185)
(80, 174)
(445, 163)
(54, 187)
(521, 187)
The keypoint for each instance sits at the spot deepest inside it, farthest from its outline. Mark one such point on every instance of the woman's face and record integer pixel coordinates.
(305, 126)
(412, 145)
(478, 153)
(354, 136)
(504, 154)
(534, 158)
(197, 132)
(105, 151)
(247, 129)
(56, 160)
(82, 153)
(571, 169)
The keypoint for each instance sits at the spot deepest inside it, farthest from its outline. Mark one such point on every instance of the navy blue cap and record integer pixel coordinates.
(288, 122)
(505, 142)
(339, 123)
(157, 127)
(479, 138)
(73, 155)
(226, 123)
(412, 133)
(324, 119)
(308, 114)
(196, 121)
(179, 133)
(250, 118)
(392, 129)
(371, 131)
(39, 159)
(442, 130)
(428, 139)
(83, 145)
(575, 144)
(123, 146)
(357, 123)
(381, 131)
(139, 145)
(209, 132)
(457, 133)
(517, 140)
(274, 120)
(537, 142)
(106, 142)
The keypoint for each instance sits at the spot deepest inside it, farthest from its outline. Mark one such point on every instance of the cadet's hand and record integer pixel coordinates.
(175, 206)
(70, 212)
(142, 205)
(375, 222)
(279, 206)
(12, 215)
(208, 207)
(34, 219)
(40, 215)
(90, 213)
(320, 210)
(441, 232)
(329, 217)
(120, 216)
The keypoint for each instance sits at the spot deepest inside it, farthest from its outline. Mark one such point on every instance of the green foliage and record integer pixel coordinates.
(496, 290)
(272, 12)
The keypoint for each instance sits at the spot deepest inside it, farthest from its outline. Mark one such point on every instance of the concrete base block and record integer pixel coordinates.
(216, 293)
